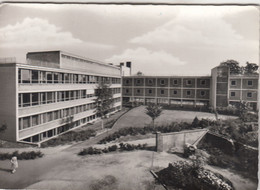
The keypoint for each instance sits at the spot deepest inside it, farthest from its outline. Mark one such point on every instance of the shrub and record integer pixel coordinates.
(70, 137)
(112, 148)
(122, 147)
(22, 156)
(190, 176)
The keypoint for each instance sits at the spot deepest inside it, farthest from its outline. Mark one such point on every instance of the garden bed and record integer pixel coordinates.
(190, 176)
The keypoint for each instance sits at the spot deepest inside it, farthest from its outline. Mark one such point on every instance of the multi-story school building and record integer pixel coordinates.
(54, 92)
(40, 97)
(218, 90)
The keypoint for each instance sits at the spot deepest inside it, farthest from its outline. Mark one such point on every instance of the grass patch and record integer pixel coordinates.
(109, 182)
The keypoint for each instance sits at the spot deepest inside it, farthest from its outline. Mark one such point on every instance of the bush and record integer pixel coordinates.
(70, 137)
(173, 127)
(122, 147)
(22, 156)
(190, 176)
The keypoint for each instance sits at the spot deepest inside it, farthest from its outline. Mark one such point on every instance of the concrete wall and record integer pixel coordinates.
(8, 101)
(45, 59)
(90, 67)
(174, 142)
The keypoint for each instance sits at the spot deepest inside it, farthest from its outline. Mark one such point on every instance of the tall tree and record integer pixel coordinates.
(233, 66)
(154, 111)
(104, 100)
(250, 68)
(243, 108)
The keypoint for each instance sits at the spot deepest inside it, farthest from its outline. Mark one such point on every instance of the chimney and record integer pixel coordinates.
(128, 64)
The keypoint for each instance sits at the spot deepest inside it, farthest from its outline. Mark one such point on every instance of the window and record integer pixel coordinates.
(35, 99)
(162, 91)
(127, 91)
(72, 96)
(19, 76)
(175, 92)
(138, 81)
(188, 93)
(49, 77)
(26, 122)
(233, 94)
(49, 116)
(56, 77)
(20, 124)
(175, 81)
(150, 81)
(150, 91)
(138, 91)
(249, 94)
(202, 93)
(25, 75)
(202, 82)
(57, 114)
(35, 120)
(249, 83)
(162, 82)
(233, 83)
(83, 93)
(35, 76)
(66, 78)
(43, 76)
(188, 82)
(49, 97)
(26, 100)
(75, 78)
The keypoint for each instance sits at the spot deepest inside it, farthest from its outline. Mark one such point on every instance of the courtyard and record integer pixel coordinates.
(62, 168)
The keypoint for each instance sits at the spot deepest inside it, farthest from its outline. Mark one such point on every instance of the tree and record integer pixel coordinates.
(154, 111)
(250, 68)
(139, 73)
(233, 66)
(104, 100)
(195, 122)
(243, 108)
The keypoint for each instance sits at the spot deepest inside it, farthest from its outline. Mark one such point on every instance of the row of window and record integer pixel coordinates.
(50, 133)
(30, 121)
(163, 82)
(249, 83)
(34, 120)
(36, 76)
(39, 98)
(248, 95)
(53, 132)
(162, 92)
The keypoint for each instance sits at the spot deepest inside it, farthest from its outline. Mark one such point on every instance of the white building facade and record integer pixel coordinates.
(52, 93)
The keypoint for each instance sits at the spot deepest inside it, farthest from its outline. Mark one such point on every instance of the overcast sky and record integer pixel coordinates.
(159, 40)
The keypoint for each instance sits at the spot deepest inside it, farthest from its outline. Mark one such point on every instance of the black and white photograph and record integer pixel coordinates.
(129, 96)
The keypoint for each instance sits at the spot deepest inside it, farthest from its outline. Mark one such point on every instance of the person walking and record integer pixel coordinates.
(14, 164)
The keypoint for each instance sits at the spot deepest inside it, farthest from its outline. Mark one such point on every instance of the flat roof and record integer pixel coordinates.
(76, 56)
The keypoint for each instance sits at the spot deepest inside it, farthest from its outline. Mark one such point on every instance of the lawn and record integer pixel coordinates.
(137, 117)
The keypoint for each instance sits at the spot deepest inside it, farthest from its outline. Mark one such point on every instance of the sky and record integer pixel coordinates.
(158, 40)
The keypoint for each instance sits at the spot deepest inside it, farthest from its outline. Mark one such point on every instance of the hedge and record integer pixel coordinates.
(113, 148)
(22, 156)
